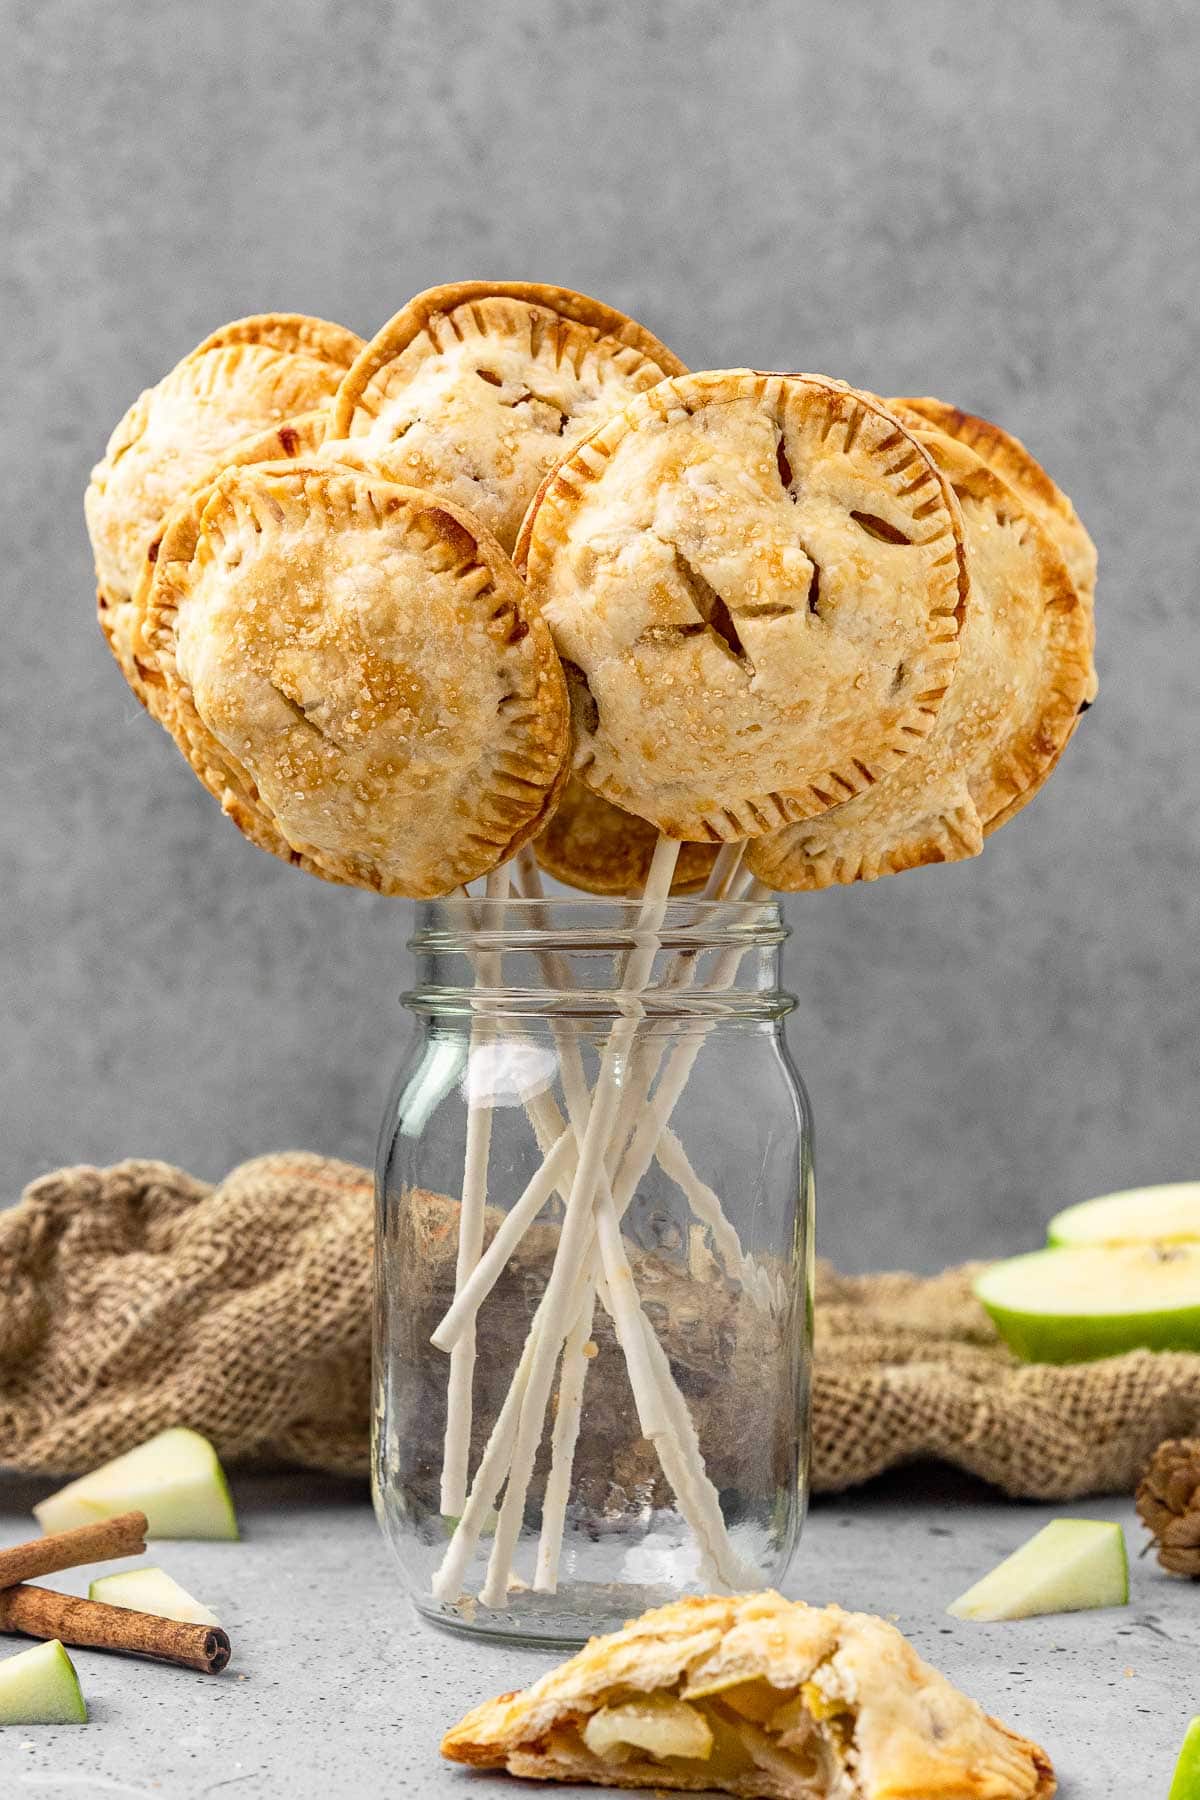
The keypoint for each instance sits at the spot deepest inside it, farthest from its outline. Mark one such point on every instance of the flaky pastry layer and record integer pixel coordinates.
(798, 1702)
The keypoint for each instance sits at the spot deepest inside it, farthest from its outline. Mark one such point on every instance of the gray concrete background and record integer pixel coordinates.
(992, 203)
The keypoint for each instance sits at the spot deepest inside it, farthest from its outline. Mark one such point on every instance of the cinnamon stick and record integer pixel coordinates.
(124, 1535)
(41, 1613)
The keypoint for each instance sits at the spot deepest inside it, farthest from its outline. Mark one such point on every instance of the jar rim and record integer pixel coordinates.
(569, 951)
(598, 921)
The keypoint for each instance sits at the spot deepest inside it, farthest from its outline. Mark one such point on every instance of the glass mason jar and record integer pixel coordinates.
(593, 1265)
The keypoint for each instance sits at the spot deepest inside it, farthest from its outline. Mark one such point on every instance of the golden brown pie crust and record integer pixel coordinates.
(295, 332)
(475, 389)
(1017, 465)
(589, 843)
(1023, 674)
(886, 1726)
(295, 437)
(243, 379)
(253, 390)
(352, 667)
(756, 583)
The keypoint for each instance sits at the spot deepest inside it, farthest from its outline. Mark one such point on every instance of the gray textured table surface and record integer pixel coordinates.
(336, 1691)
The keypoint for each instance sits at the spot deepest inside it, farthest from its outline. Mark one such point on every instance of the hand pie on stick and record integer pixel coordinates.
(1016, 465)
(756, 583)
(1008, 457)
(478, 388)
(251, 392)
(1024, 672)
(757, 1696)
(355, 666)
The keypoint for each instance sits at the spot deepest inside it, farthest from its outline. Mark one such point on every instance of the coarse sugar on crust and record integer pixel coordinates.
(476, 388)
(243, 379)
(756, 583)
(355, 663)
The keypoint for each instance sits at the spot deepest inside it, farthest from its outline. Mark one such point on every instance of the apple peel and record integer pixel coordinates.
(151, 1591)
(1060, 1306)
(1071, 1565)
(175, 1478)
(39, 1686)
(1167, 1214)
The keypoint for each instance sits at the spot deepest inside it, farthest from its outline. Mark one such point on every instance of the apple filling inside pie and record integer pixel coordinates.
(726, 1731)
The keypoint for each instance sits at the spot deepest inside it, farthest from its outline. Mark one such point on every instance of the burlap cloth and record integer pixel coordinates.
(136, 1297)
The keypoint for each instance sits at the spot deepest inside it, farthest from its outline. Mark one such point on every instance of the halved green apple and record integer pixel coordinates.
(1169, 1214)
(151, 1591)
(1071, 1565)
(1186, 1782)
(174, 1478)
(1074, 1305)
(40, 1687)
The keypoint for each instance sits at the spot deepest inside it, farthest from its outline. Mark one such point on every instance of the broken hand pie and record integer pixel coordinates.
(1024, 673)
(756, 1696)
(478, 388)
(756, 583)
(250, 392)
(352, 667)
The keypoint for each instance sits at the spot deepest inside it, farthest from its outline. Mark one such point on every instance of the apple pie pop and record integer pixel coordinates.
(756, 584)
(357, 664)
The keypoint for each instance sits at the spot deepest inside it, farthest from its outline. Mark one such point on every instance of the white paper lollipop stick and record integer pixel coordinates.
(705, 1203)
(577, 1227)
(560, 1157)
(575, 1355)
(563, 1295)
(573, 1376)
(494, 1464)
(662, 1410)
(457, 1444)
(656, 1115)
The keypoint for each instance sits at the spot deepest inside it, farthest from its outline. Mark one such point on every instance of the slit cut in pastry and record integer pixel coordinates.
(254, 380)
(756, 583)
(1024, 671)
(756, 1696)
(589, 843)
(353, 669)
(476, 389)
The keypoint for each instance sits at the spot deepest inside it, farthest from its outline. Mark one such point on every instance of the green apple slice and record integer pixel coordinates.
(40, 1687)
(175, 1479)
(1071, 1565)
(1060, 1306)
(1186, 1782)
(1148, 1215)
(151, 1591)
